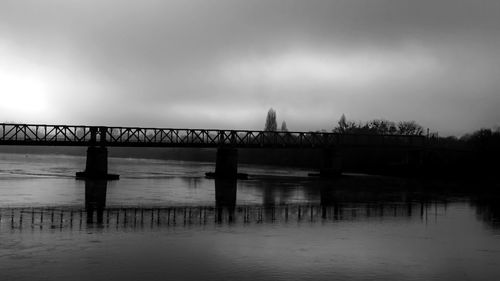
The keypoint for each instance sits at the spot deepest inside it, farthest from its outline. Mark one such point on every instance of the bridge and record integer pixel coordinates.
(98, 138)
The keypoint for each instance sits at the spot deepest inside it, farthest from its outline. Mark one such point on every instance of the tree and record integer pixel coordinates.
(342, 128)
(410, 128)
(381, 127)
(284, 127)
(483, 138)
(271, 124)
(378, 127)
(345, 126)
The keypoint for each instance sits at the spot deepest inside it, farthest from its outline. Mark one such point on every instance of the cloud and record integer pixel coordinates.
(219, 62)
(310, 67)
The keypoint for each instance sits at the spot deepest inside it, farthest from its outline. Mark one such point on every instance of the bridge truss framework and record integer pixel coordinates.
(70, 135)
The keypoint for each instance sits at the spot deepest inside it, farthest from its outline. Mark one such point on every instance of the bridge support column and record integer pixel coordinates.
(96, 166)
(331, 163)
(226, 165)
(97, 161)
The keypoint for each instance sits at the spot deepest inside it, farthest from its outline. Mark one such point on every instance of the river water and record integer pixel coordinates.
(163, 220)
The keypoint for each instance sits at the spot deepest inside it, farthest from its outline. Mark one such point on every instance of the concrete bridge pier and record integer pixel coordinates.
(331, 163)
(97, 161)
(96, 166)
(226, 165)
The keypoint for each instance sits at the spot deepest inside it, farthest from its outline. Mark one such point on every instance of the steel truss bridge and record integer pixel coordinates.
(66, 135)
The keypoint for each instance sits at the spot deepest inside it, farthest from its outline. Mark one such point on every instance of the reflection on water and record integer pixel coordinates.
(134, 217)
(225, 198)
(164, 220)
(339, 199)
(95, 199)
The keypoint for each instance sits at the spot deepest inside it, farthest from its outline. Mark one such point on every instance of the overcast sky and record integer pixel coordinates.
(223, 64)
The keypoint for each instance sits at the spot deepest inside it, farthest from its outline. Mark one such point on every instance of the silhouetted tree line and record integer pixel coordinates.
(477, 153)
(378, 127)
(485, 146)
(344, 126)
(483, 139)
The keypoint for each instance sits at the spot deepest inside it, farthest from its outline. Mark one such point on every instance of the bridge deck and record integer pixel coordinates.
(64, 135)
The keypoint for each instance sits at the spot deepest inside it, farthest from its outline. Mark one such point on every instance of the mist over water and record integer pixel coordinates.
(277, 225)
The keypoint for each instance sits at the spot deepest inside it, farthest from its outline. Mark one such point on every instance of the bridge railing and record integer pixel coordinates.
(27, 134)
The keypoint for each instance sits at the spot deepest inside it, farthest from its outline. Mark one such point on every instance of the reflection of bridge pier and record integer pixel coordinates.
(95, 199)
(225, 198)
(329, 201)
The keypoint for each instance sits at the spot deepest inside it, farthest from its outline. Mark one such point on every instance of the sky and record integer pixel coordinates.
(224, 63)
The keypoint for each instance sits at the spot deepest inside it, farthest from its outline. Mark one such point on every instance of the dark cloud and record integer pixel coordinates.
(224, 63)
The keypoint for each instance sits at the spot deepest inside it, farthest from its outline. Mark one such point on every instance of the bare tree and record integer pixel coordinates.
(381, 127)
(410, 128)
(378, 127)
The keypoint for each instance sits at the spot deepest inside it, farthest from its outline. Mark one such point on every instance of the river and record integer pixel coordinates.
(163, 220)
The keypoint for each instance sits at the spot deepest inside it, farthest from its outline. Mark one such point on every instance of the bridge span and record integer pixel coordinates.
(98, 138)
